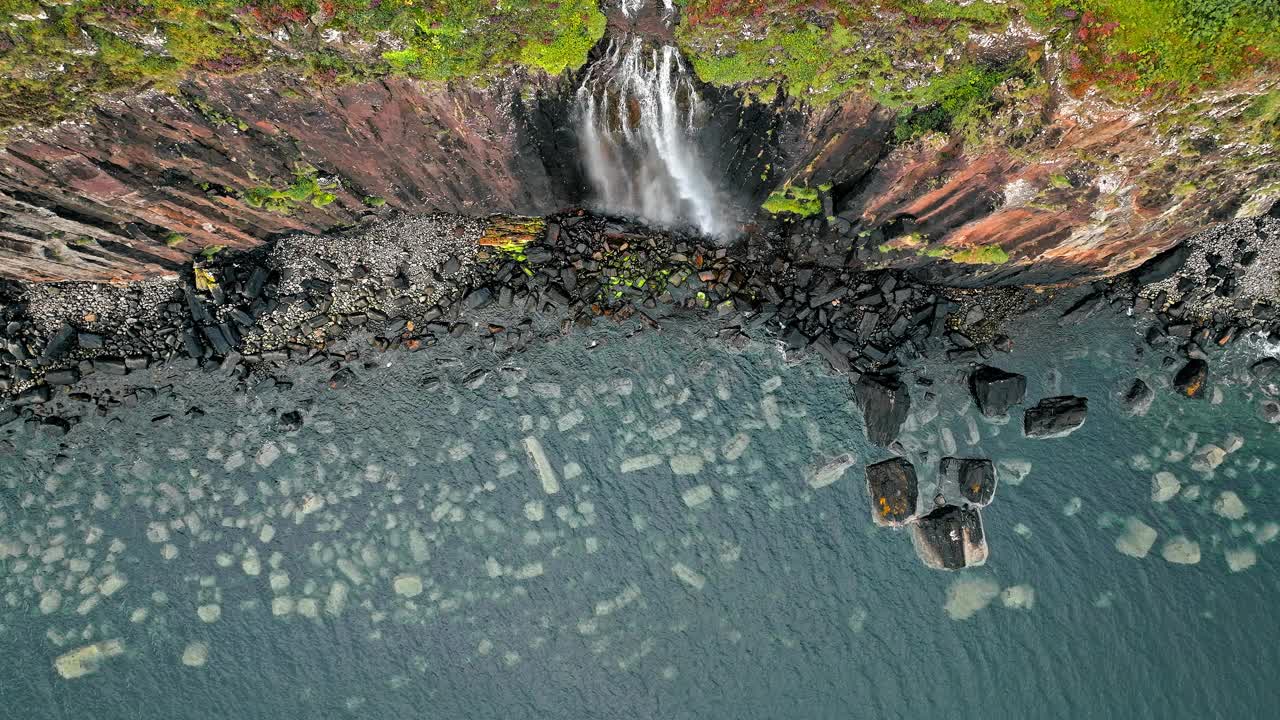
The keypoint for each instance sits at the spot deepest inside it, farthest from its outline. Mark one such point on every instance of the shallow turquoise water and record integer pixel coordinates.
(416, 565)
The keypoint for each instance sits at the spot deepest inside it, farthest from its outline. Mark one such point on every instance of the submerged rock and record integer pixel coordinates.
(967, 596)
(995, 391)
(1191, 379)
(885, 404)
(1137, 539)
(85, 660)
(976, 478)
(1137, 399)
(894, 492)
(1181, 550)
(1055, 417)
(1164, 486)
(950, 538)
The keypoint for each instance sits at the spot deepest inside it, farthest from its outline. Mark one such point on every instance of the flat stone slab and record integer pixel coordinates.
(894, 492)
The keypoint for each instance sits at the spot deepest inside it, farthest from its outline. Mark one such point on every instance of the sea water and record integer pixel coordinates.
(629, 523)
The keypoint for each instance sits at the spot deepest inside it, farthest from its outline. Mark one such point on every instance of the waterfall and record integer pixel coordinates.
(638, 112)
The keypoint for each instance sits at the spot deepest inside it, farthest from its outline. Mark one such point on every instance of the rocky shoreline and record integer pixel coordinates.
(505, 283)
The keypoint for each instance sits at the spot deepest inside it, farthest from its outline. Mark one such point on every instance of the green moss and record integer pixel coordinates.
(54, 67)
(981, 255)
(800, 201)
(175, 239)
(565, 43)
(1059, 181)
(819, 50)
(307, 187)
(375, 201)
(1161, 48)
(961, 100)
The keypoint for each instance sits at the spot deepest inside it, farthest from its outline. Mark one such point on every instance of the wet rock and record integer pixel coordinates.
(1191, 379)
(59, 343)
(290, 421)
(894, 492)
(1265, 369)
(69, 376)
(110, 366)
(976, 478)
(1137, 399)
(1055, 417)
(1269, 411)
(35, 395)
(1083, 310)
(950, 538)
(478, 298)
(885, 403)
(1162, 266)
(995, 391)
(342, 379)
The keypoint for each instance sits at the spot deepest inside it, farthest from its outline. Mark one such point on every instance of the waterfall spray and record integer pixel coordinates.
(638, 112)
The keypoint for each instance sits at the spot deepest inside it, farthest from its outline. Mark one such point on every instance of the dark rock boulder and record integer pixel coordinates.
(1137, 399)
(976, 478)
(1055, 417)
(950, 538)
(289, 421)
(59, 343)
(995, 391)
(894, 492)
(1192, 379)
(885, 402)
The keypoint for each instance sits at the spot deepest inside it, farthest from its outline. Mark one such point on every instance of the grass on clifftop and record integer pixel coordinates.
(56, 55)
(1131, 49)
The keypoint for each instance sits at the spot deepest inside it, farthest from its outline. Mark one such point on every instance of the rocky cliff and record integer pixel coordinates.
(1051, 184)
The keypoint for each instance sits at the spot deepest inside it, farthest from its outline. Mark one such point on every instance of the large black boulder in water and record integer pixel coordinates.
(885, 403)
(950, 538)
(1190, 380)
(976, 478)
(1055, 417)
(1137, 399)
(995, 391)
(894, 491)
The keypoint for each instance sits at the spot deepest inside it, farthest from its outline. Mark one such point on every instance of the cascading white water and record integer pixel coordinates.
(638, 111)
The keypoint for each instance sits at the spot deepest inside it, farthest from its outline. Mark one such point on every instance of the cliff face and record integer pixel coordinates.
(103, 199)
(149, 179)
